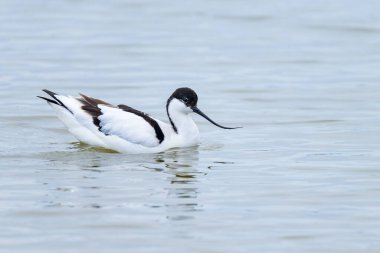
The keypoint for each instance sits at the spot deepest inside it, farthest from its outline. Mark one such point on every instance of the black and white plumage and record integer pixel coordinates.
(125, 129)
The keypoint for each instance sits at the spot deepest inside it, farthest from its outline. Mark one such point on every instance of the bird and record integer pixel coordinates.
(126, 130)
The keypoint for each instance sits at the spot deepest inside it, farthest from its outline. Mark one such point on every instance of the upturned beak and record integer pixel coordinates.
(197, 111)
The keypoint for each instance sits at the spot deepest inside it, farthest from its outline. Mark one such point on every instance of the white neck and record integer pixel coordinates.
(180, 117)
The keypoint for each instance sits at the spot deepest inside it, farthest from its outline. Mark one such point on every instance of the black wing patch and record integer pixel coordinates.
(90, 105)
(159, 134)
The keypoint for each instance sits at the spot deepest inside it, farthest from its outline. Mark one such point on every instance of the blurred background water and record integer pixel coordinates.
(302, 77)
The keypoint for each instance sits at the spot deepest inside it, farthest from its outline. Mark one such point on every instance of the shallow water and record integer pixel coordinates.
(302, 78)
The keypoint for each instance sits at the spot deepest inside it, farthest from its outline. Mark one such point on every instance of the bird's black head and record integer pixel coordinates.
(186, 95)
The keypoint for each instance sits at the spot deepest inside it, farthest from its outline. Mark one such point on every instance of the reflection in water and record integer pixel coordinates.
(85, 147)
(182, 191)
(89, 173)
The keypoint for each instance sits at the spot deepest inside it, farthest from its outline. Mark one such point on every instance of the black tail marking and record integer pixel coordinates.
(49, 100)
(56, 100)
(53, 95)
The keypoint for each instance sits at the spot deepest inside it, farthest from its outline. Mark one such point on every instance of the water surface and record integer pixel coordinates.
(302, 78)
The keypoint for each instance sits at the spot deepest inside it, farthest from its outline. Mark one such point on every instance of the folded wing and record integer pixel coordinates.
(124, 122)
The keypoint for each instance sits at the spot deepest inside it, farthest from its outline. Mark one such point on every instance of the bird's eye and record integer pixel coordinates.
(185, 99)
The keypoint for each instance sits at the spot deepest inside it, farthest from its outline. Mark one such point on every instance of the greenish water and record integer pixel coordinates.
(302, 78)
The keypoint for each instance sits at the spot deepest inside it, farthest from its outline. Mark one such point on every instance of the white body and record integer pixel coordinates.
(127, 132)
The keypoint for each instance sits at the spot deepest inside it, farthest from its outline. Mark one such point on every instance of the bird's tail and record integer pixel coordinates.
(55, 100)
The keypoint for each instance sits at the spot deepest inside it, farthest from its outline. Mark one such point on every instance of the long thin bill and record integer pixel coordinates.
(196, 110)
